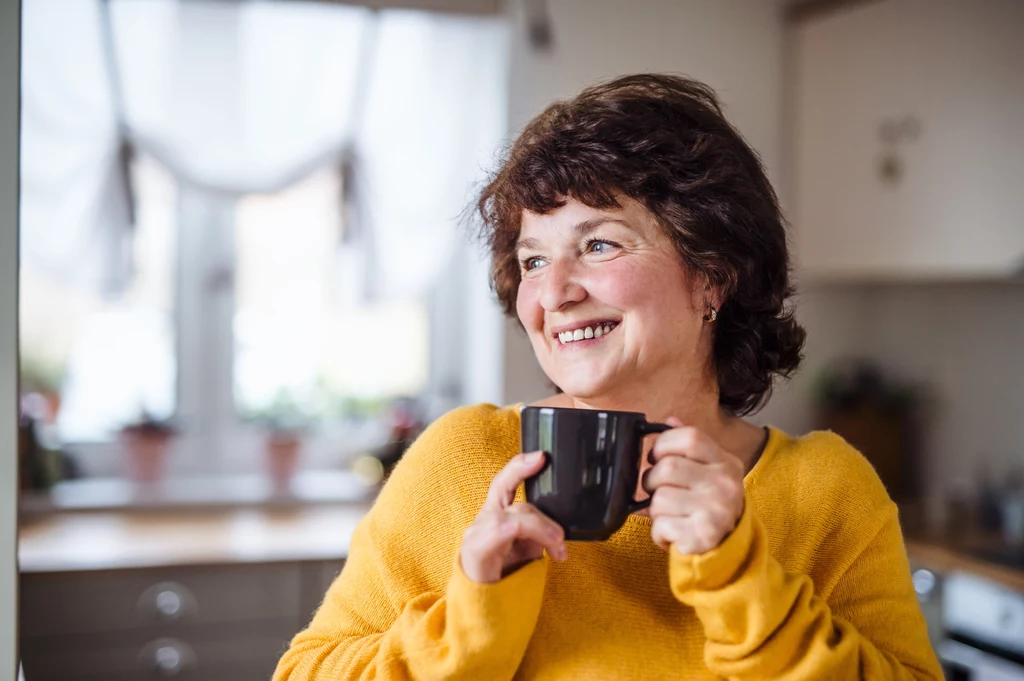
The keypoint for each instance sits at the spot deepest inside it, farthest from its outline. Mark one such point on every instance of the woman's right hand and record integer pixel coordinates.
(506, 536)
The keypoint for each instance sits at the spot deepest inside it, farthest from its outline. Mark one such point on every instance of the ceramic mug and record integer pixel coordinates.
(593, 464)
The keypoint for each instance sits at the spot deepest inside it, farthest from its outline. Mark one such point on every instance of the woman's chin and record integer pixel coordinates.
(583, 387)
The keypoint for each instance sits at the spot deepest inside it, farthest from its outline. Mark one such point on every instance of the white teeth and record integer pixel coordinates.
(585, 333)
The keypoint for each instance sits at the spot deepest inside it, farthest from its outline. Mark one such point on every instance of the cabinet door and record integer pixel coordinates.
(908, 122)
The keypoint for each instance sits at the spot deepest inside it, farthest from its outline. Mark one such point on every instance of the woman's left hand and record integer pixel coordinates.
(696, 490)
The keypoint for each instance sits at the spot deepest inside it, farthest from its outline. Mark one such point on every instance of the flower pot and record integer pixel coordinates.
(145, 454)
(282, 458)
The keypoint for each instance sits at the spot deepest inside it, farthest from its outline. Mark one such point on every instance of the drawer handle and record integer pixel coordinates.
(924, 584)
(167, 602)
(168, 657)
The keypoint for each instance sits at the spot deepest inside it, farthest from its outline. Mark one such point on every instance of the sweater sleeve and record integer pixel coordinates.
(761, 621)
(402, 608)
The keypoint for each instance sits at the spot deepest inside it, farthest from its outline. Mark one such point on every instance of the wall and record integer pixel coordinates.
(961, 341)
(10, 23)
(734, 46)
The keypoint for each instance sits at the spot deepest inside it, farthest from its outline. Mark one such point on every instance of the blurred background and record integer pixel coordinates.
(248, 282)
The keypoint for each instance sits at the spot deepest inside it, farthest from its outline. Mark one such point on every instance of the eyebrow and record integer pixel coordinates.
(579, 229)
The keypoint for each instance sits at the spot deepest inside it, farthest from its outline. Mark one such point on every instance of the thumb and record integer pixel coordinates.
(674, 422)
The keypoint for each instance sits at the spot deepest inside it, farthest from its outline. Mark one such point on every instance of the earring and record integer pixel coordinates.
(712, 316)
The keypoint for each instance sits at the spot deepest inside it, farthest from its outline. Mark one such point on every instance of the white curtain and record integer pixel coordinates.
(74, 217)
(244, 97)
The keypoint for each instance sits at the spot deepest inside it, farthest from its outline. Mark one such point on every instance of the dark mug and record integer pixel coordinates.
(592, 467)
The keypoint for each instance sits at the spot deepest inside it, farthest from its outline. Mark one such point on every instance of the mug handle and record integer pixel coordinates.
(646, 428)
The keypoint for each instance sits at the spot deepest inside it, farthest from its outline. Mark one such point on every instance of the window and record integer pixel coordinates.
(247, 299)
(109, 358)
(303, 338)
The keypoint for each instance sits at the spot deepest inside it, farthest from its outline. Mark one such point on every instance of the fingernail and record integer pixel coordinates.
(561, 552)
(533, 456)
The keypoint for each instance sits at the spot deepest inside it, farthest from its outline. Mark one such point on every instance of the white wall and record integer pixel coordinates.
(734, 46)
(9, 104)
(964, 342)
(837, 321)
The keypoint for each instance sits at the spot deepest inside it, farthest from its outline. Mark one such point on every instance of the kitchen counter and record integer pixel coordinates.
(308, 487)
(966, 555)
(105, 540)
(64, 542)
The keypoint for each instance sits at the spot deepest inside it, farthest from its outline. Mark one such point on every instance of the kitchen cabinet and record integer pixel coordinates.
(190, 593)
(907, 131)
(190, 622)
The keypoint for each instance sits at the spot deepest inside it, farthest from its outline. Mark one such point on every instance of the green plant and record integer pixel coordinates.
(284, 414)
(41, 375)
(147, 424)
(850, 383)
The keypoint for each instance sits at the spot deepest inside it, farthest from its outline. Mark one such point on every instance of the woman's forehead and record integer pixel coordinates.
(576, 218)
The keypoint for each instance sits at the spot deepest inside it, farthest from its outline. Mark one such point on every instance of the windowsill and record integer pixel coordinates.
(198, 493)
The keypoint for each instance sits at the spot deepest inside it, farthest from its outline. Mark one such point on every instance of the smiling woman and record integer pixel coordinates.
(636, 237)
(681, 179)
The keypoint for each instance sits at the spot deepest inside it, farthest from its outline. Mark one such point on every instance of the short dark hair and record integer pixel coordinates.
(663, 141)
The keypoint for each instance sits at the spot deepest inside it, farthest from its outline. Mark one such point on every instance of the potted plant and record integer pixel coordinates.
(284, 423)
(44, 378)
(146, 443)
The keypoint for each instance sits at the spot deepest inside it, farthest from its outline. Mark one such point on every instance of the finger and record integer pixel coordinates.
(553, 527)
(668, 500)
(701, 509)
(503, 487)
(673, 470)
(484, 546)
(534, 526)
(688, 442)
(668, 530)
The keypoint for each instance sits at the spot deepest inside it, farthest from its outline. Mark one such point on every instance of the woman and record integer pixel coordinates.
(636, 214)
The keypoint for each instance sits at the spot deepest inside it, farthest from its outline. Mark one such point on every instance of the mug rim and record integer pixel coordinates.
(599, 411)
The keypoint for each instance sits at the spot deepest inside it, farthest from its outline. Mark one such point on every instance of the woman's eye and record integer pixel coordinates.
(531, 263)
(598, 246)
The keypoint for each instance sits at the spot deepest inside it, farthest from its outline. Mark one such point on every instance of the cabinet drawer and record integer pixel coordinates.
(69, 603)
(239, 652)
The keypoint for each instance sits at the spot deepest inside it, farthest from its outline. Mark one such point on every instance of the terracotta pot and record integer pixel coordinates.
(282, 454)
(145, 455)
(52, 406)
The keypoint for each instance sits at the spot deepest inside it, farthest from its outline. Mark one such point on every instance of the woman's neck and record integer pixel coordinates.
(693, 399)
(693, 403)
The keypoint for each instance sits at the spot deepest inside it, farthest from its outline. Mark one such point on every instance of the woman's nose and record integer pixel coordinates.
(561, 287)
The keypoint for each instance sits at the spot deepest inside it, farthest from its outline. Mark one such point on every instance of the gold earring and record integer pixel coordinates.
(712, 316)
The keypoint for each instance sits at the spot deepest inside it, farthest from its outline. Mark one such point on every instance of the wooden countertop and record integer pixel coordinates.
(945, 556)
(219, 492)
(112, 540)
(72, 541)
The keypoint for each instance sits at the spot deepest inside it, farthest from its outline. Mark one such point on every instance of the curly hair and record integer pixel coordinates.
(663, 141)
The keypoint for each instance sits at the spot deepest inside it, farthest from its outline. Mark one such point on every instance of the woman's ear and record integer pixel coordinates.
(712, 296)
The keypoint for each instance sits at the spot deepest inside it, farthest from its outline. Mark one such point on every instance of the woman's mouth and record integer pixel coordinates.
(592, 331)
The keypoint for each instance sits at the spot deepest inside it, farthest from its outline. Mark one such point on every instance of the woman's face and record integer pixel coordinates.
(606, 302)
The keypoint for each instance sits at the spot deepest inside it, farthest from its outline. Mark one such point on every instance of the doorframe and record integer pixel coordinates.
(10, 109)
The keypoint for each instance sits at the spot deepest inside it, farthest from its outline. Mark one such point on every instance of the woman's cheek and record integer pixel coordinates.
(528, 308)
(621, 284)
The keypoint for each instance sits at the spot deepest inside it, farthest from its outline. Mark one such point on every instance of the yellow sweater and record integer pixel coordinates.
(812, 584)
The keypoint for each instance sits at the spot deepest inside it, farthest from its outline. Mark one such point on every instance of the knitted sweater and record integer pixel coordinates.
(812, 584)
